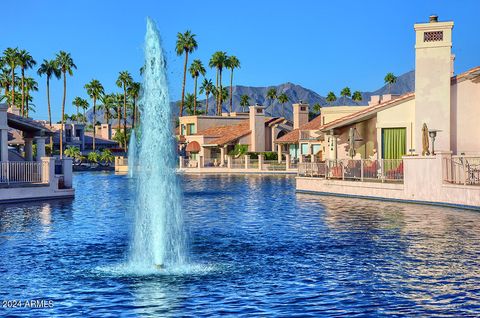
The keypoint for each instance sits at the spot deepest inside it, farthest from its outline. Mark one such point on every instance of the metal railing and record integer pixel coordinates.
(273, 165)
(21, 172)
(462, 170)
(357, 170)
(238, 163)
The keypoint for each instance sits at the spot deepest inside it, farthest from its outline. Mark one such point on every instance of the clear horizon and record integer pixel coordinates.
(320, 46)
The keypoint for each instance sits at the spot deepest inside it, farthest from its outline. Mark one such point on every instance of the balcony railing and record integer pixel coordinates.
(462, 170)
(357, 170)
(21, 172)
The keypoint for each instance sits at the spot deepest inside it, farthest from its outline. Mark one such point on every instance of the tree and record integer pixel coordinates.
(195, 70)
(84, 106)
(108, 103)
(25, 61)
(106, 157)
(5, 79)
(282, 99)
(206, 87)
(124, 81)
(95, 91)
(186, 44)
(345, 93)
(65, 62)
(232, 63)
(390, 79)
(49, 68)
(317, 108)
(272, 96)
(74, 153)
(12, 59)
(134, 93)
(30, 85)
(357, 96)
(77, 102)
(331, 98)
(218, 61)
(244, 101)
(190, 104)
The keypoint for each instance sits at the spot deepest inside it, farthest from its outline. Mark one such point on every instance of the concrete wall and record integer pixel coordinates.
(257, 128)
(204, 122)
(365, 149)
(465, 115)
(330, 114)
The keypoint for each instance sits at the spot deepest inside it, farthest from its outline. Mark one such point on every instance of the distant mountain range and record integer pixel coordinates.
(405, 83)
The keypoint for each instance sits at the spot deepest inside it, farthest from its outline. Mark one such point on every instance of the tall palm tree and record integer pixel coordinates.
(95, 91)
(272, 96)
(345, 92)
(77, 102)
(282, 99)
(218, 61)
(232, 63)
(390, 79)
(190, 104)
(331, 98)
(124, 81)
(206, 87)
(30, 85)
(108, 103)
(244, 101)
(5, 80)
(25, 61)
(49, 69)
(65, 62)
(357, 97)
(186, 44)
(85, 105)
(134, 93)
(12, 59)
(196, 69)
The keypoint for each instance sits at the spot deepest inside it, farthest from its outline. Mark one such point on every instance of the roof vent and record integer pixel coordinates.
(433, 18)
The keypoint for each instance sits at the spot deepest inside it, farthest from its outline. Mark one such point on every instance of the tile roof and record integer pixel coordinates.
(462, 76)
(294, 135)
(226, 134)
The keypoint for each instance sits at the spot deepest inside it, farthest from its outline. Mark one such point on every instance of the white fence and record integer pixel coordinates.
(360, 170)
(462, 170)
(21, 172)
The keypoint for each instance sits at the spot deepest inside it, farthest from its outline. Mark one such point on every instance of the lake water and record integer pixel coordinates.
(256, 248)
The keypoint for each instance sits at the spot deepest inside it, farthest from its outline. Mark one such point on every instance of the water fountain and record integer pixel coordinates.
(132, 154)
(158, 236)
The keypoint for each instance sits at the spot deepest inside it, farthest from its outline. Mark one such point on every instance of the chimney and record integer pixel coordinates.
(433, 18)
(257, 128)
(433, 70)
(374, 100)
(300, 114)
(104, 131)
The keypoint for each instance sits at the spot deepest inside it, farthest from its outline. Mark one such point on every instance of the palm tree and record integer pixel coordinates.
(282, 99)
(244, 101)
(134, 93)
(206, 87)
(345, 93)
(78, 102)
(30, 85)
(25, 61)
(218, 61)
(317, 108)
(272, 96)
(186, 43)
(390, 79)
(49, 69)
(5, 80)
(85, 105)
(331, 97)
(65, 62)
(357, 96)
(195, 70)
(108, 103)
(124, 81)
(190, 104)
(95, 91)
(11, 58)
(232, 63)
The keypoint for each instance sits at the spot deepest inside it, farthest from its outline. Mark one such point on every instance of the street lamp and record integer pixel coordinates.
(433, 133)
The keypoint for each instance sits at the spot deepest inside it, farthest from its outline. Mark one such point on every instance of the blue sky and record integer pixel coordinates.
(321, 45)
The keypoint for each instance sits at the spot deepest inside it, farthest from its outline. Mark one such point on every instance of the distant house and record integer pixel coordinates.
(213, 137)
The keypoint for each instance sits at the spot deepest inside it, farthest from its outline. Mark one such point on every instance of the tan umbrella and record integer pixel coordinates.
(425, 142)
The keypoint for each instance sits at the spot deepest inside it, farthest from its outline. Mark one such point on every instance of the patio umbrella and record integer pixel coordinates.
(351, 136)
(425, 142)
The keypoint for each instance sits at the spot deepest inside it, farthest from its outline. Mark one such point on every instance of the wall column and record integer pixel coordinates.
(40, 141)
(260, 162)
(67, 172)
(229, 162)
(28, 149)
(181, 163)
(222, 156)
(287, 161)
(247, 161)
(279, 153)
(3, 145)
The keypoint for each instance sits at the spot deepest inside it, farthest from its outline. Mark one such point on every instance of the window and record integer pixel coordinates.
(303, 108)
(191, 129)
(182, 130)
(259, 110)
(304, 149)
(433, 36)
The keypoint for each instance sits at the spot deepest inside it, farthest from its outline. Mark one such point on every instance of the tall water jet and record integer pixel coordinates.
(158, 235)
(132, 154)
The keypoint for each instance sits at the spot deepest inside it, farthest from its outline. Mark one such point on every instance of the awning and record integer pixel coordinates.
(193, 146)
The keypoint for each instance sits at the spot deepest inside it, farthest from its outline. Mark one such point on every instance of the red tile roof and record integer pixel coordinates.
(294, 136)
(465, 75)
(226, 134)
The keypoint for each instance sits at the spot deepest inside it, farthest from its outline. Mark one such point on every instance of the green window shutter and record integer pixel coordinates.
(393, 143)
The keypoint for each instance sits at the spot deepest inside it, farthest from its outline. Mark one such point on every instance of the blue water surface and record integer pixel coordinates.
(256, 249)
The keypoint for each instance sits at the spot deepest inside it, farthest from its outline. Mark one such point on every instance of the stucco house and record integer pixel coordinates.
(213, 137)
